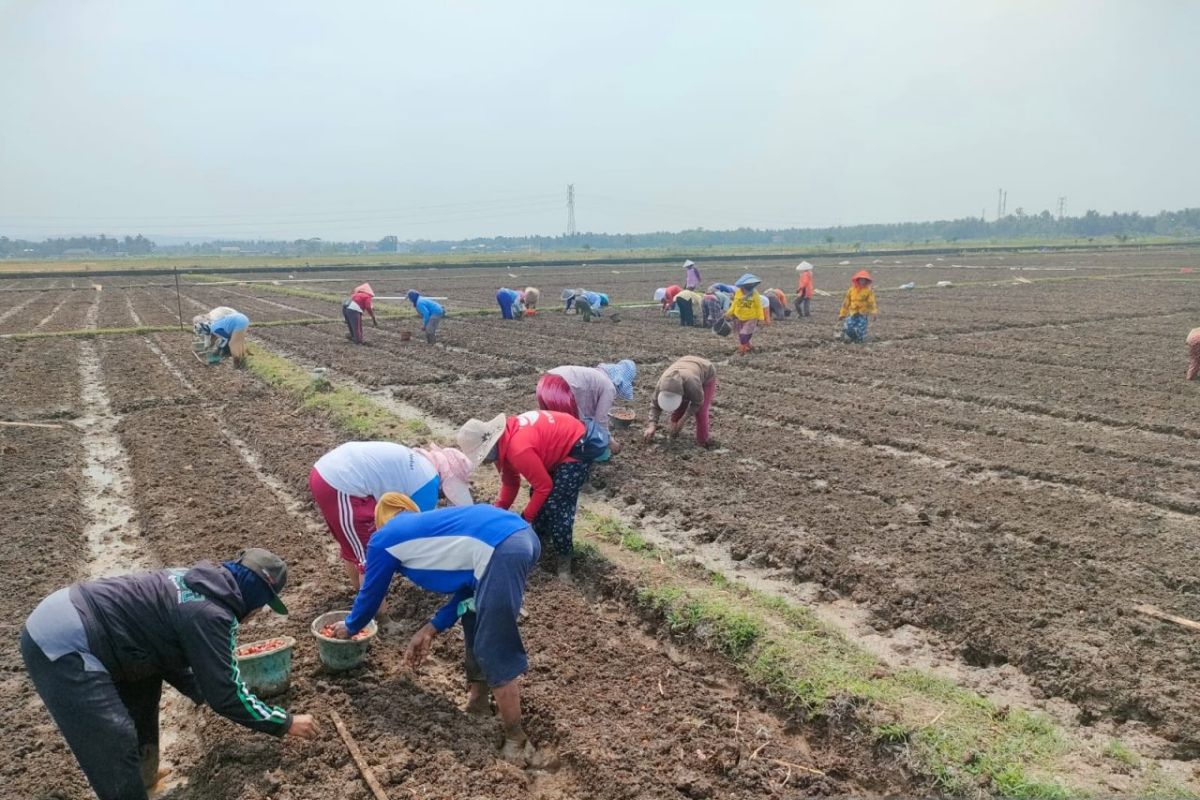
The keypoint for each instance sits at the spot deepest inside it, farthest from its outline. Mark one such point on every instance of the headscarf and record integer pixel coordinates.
(413, 296)
(622, 374)
(603, 299)
(391, 504)
(255, 591)
(365, 289)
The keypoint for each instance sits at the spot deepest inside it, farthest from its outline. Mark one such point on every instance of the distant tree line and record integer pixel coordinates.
(1016, 226)
(76, 245)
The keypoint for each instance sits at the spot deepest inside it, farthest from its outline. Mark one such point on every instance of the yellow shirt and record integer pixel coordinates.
(859, 300)
(747, 308)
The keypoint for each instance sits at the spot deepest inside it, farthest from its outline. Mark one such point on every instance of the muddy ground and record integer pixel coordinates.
(1011, 465)
(216, 462)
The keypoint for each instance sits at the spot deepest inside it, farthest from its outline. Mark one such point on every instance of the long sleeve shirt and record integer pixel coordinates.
(427, 308)
(369, 469)
(858, 300)
(592, 389)
(179, 625)
(746, 307)
(444, 551)
(669, 298)
(362, 300)
(532, 446)
(687, 377)
(804, 288)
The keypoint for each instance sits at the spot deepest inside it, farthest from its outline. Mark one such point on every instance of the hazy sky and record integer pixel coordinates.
(453, 119)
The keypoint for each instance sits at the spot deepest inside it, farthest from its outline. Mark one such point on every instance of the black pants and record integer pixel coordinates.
(106, 724)
(686, 312)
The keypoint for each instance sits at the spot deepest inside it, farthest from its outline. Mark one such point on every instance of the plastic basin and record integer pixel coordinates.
(269, 672)
(340, 654)
(621, 418)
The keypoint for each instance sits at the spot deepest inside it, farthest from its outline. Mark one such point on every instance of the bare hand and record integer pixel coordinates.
(420, 645)
(304, 726)
(675, 428)
(648, 434)
(340, 631)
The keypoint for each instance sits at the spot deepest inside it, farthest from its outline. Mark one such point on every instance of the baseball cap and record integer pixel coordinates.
(271, 569)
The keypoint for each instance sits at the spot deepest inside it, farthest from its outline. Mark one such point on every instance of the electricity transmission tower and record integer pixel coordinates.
(570, 209)
(1062, 205)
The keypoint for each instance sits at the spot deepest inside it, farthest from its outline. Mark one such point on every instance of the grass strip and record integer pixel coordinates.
(958, 738)
(962, 741)
(358, 415)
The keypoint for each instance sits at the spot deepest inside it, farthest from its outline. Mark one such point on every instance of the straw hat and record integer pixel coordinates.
(804, 266)
(476, 438)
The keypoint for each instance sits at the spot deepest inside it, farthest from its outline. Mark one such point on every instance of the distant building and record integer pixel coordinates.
(78, 251)
(231, 249)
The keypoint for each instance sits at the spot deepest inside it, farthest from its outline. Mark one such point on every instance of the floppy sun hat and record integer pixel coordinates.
(477, 437)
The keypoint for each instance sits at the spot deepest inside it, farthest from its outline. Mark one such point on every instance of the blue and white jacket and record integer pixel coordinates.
(445, 551)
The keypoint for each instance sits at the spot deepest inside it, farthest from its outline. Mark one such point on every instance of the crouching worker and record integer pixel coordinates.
(225, 334)
(480, 556)
(686, 389)
(532, 296)
(431, 313)
(354, 308)
(99, 651)
(551, 450)
(1193, 343)
(511, 302)
(587, 392)
(348, 481)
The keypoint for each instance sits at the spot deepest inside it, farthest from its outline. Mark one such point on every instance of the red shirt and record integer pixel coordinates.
(363, 299)
(671, 292)
(531, 447)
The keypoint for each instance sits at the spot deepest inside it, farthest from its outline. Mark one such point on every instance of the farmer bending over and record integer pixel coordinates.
(225, 332)
(99, 651)
(480, 556)
(551, 450)
(431, 313)
(354, 308)
(686, 389)
(587, 392)
(511, 302)
(347, 481)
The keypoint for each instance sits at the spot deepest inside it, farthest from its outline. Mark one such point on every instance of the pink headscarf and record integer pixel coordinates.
(454, 471)
(365, 288)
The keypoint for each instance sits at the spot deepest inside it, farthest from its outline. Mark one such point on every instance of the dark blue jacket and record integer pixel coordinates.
(178, 625)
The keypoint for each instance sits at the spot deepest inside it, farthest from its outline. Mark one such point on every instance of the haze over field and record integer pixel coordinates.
(456, 119)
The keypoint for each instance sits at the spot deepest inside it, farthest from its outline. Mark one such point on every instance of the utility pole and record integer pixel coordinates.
(999, 204)
(570, 209)
(1004, 204)
(1062, 205)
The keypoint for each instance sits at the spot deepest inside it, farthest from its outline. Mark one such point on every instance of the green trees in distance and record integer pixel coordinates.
(1041, 227)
